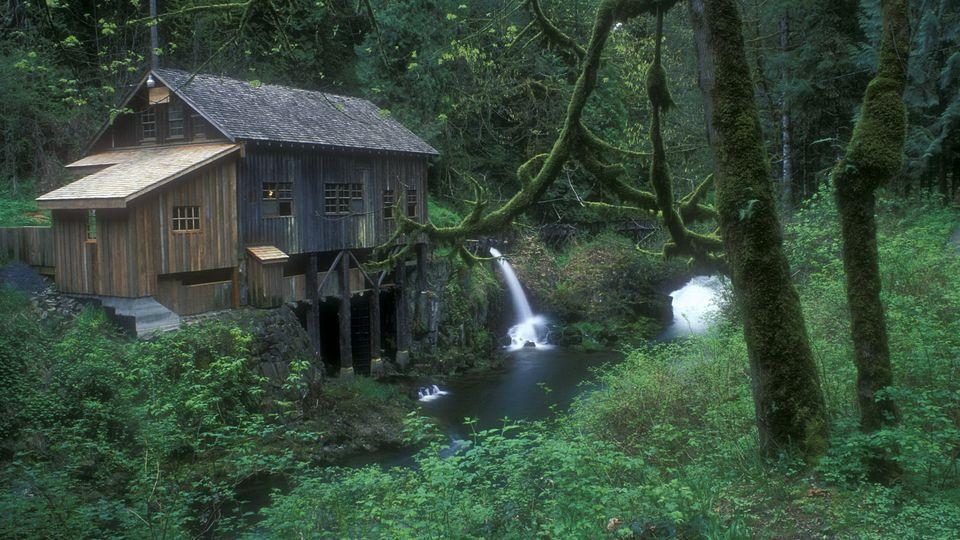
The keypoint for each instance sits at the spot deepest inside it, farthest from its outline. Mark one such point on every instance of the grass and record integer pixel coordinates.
(20, 209)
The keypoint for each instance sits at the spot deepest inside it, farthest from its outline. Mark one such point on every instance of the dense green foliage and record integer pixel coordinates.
(105, 436)
(151, 439)
(668, 446)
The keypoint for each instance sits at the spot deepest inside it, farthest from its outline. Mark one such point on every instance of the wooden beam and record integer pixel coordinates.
(313, 296)
(376, 357)
(346, 351)
(419, 302)
(330, 271)
(402, 314)
(235, 288)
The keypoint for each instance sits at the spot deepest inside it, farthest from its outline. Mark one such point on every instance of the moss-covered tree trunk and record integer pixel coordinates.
(872, 157)
(788, 400)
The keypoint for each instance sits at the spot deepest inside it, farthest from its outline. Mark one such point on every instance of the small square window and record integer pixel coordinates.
(186, 218)
(148, 124)
(277, 199)
(389, 200)
(356, 191)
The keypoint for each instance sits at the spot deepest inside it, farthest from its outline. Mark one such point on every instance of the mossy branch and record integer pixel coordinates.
(555, 36)
(576, 141)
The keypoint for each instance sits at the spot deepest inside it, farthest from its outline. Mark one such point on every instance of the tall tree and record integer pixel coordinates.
(873, 156)
(788, 401)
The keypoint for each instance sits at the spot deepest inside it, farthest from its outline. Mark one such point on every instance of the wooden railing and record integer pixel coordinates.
(32, 245)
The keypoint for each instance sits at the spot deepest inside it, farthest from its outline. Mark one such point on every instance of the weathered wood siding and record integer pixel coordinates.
(309, 229)
(192, 299)
(135, 244)
(214, 190)
(76, 266)
(32, 245)
(117, 263)
(266, 283)
(124, 132)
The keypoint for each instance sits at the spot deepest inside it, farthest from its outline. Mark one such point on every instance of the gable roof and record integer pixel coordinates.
(279, 113)
(131, 173)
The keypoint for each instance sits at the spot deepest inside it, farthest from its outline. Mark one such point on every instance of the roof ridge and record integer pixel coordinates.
(272, 85)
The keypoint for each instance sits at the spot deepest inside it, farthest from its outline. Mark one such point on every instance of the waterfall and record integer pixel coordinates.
(694, 306)
(529, 326)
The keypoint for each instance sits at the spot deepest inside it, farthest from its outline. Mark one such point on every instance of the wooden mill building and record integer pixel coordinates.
(208, 193)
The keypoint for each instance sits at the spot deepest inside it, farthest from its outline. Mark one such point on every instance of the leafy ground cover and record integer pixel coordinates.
(667, 448)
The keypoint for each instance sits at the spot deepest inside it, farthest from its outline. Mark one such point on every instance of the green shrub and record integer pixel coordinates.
(514, 482)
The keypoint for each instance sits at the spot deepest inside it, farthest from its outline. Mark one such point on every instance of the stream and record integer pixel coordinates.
(536, 381)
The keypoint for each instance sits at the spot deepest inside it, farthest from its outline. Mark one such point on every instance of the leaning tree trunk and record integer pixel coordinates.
(873, 156)
(787, 397)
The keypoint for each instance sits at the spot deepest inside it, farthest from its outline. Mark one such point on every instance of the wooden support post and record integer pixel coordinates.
(346, 351)
(420, 305)
(235, 288)
(376, 360)
(402, 313)
(313, 296)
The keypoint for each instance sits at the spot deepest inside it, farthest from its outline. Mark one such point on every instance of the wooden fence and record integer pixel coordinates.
(32, 245)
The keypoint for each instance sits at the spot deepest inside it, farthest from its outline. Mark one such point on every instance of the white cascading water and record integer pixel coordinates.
(529, 327)
(430, 393)
(694, 305)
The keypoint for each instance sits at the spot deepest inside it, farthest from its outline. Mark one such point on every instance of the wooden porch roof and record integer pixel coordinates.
(268, 254)
(128, 174)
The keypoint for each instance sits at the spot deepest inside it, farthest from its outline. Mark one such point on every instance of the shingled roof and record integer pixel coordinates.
(279, 113)
(127, 174)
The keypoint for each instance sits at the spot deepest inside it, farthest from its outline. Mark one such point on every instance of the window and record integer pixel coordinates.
(388, 202)
(175, 120)
(148, 124)
(198, 126)
(277, 199)
(186, 218)
(337, 198)
(412, 203)
(91, 225)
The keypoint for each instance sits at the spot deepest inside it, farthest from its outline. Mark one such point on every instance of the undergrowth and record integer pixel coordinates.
(668, 446)
(103, 436)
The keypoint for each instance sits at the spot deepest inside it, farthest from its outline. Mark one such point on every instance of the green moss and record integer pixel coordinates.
(873, 156)
(787, 396)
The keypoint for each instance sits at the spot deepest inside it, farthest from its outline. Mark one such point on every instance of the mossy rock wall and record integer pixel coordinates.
(603, 287)
(460, 317)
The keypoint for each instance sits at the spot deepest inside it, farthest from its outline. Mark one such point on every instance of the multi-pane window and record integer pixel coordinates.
(175, 120)
(388, 202)
(198, 126)
(148, 124)
(91, 224)
(277, 199)
(337, 197)
(186, 218)
(412, 203)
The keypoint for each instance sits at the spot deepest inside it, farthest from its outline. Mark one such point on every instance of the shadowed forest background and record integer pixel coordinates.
(108, 436)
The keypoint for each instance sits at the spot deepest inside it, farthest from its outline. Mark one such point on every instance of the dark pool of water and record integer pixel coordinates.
(534, 384)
